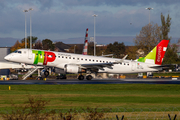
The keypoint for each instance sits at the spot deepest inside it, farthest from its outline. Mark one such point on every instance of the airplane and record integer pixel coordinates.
(85, 48)
(78, 63)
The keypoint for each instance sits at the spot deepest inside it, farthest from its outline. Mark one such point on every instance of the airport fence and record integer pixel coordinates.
(105, 114)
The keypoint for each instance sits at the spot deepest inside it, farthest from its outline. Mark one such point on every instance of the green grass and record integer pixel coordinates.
(167, 74)
(101, 96)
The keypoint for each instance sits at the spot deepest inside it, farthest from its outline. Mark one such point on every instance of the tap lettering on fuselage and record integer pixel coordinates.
(43, 57)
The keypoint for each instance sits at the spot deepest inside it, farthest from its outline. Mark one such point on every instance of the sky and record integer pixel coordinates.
(67, 20)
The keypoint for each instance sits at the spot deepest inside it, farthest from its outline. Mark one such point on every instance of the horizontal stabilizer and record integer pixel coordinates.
(160, 66)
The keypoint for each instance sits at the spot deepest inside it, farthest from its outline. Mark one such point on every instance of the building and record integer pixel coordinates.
(3, 52)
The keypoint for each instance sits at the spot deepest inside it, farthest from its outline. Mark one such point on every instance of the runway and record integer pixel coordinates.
(93, 81)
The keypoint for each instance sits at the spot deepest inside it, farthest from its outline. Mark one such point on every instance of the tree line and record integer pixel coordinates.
(45, 44)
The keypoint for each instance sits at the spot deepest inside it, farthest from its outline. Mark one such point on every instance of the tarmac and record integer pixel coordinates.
(93, 81)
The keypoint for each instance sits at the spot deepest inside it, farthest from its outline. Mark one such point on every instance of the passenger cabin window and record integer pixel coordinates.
(81, 58)
(69, 57)
(77, 58)
(73, 57)
(49, 55)
(62, 56)
(85, 59)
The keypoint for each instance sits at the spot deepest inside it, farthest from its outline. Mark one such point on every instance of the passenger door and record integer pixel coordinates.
(30, 55)
(133, 67)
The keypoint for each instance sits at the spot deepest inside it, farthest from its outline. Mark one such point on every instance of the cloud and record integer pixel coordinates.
(116, 3)
(45, 4)
(63, 19)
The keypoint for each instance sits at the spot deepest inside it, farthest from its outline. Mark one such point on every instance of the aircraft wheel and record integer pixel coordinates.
(81, 77)
(89, 77)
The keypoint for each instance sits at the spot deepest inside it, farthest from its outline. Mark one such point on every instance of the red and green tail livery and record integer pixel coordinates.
(157, 54)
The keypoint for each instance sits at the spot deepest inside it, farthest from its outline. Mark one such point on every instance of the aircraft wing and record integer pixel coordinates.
(96, 65)
(101, 65)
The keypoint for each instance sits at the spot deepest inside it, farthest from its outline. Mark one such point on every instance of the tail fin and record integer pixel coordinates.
(157, 54)
(85, 48)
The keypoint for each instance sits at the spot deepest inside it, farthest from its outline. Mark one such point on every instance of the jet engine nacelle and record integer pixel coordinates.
(71, 69)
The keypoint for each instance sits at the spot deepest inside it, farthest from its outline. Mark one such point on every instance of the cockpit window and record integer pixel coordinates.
(19, 51)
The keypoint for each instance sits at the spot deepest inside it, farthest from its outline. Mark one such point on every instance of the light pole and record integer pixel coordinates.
(25, 29)
(30, 29)
(149, 12)
(94, 35)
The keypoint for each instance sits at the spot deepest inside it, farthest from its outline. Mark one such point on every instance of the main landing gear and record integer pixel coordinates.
(88, 77)
(81, 77)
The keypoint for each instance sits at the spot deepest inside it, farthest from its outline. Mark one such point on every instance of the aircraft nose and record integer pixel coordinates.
(7, 57)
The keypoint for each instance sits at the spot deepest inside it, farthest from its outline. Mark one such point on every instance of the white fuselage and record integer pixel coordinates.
(61, 59)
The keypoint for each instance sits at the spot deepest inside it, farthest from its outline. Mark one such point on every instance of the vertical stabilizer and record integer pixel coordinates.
(85, 48)
(157, 54)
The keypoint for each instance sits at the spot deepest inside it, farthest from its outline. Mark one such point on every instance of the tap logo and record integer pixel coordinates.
(43, 57)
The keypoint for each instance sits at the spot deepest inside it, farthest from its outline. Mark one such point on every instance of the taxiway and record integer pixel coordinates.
(94, 81)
